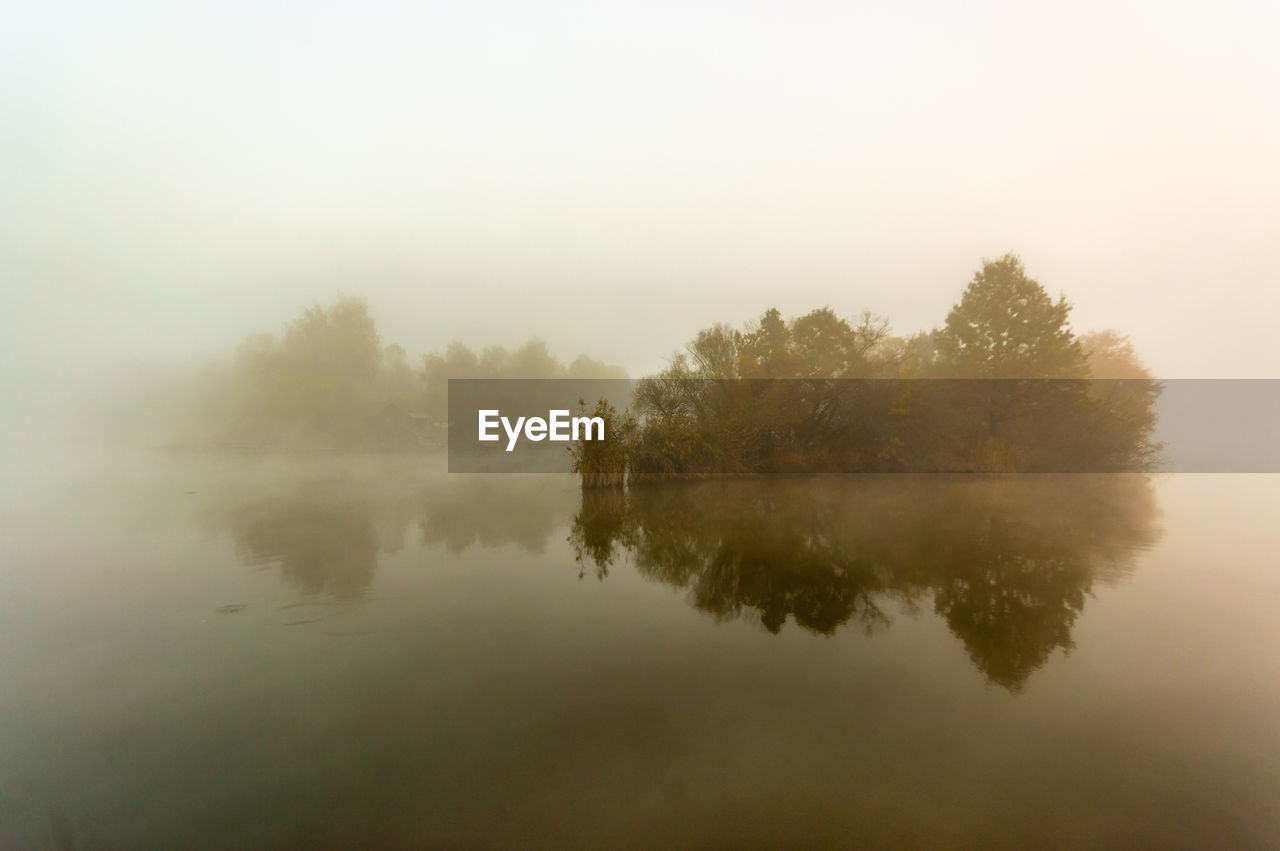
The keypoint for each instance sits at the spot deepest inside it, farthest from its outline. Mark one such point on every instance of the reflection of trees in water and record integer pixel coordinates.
(327, 535)
(322, 546)
(493, 511)
(1007, 561)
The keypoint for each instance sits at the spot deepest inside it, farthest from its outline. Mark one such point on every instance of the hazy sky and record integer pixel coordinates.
(613, 177)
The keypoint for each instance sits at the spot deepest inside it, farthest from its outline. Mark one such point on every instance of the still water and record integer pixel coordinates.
(360, 653)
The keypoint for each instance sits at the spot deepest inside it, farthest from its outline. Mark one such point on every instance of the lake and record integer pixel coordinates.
(243, 652)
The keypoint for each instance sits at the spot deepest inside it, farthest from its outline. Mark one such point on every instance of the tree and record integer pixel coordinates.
(1111, 355)
(1007, 326)
(399, 386)
(1124, 397)
(323, 369)
(766, 348)
(604, 462)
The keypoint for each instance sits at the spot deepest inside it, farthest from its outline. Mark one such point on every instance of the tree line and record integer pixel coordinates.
(1003, 385)
(325, 381)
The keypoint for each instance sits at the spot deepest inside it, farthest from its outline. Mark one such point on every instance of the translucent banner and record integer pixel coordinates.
(619, 430)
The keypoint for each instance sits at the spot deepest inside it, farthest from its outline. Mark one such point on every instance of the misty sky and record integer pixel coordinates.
(613, 177)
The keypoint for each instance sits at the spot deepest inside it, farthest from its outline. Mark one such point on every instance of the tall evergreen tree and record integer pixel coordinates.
(1007, 326)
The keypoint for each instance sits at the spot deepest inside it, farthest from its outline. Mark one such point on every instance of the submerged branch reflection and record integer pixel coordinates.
(1006, 561)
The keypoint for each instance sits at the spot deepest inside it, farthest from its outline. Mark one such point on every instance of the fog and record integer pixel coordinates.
(874, 290)
(614, 179)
